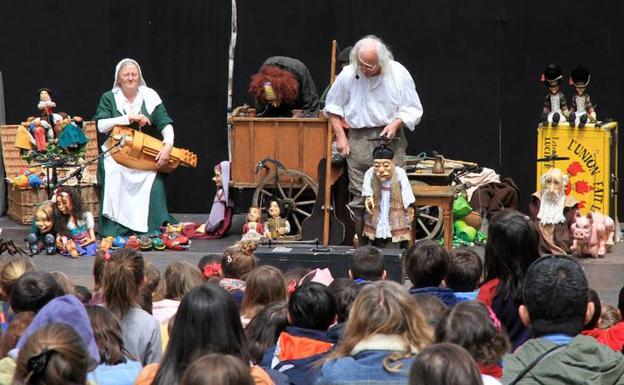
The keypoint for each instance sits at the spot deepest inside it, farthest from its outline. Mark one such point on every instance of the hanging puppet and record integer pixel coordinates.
(42, 236)
(277, 226)
(253, 230)
(388, 195)
(74, 225)
(581, 110)
(555, 105)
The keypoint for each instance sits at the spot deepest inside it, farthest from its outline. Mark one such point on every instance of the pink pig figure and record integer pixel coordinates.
(593, 234)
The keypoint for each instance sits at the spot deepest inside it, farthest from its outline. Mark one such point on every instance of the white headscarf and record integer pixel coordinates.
(150, 97)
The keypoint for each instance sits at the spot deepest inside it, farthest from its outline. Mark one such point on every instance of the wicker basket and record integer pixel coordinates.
(22, 202)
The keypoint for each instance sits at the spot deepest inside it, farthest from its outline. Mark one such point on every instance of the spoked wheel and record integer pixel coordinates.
(295, 190)
(428, 222)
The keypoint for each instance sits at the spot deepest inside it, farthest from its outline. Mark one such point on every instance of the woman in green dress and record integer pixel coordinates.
(133, 201)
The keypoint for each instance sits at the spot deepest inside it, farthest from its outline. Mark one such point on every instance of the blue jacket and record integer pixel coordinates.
(363, 368)
(446, 295)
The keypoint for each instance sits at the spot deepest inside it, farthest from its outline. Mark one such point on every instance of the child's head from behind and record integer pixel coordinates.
(367, 263)
(33, 290)
(180, 278)
(312, 306)
(444, 364)
(427, 264)
(210, 265)
(217, 369)
(345, 291)
(264, 329)
(10, 270)
(609, 316)
(236, 262)
(595, 320)
(264, 285)
(431, 306)
(465, 271)
(468, 324)
(108, 335)
(124, 273)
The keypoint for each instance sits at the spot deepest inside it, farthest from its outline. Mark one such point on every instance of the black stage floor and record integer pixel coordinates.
(606, 275)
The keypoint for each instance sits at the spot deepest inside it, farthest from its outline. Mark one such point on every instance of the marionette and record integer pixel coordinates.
(72, 137)
(42, 236)
(276, 226)
(253, 229)
(388, 196)
(220, 218)
(555, 105)
(581, 110)
(46, 105)
(74, 225)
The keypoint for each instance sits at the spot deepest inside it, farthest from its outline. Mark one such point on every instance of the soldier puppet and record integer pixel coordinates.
(555, 105)
(582, 109)
(388, 195)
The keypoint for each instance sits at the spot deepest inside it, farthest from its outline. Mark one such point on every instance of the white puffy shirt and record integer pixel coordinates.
(375, 101)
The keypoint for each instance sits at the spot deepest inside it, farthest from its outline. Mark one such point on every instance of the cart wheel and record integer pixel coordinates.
(297, 192)
(428, 222)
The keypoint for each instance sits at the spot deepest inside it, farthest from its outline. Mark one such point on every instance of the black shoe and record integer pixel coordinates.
(50, 244)
(33, 243)
(555, 119)
(582, 121)
(572, 119)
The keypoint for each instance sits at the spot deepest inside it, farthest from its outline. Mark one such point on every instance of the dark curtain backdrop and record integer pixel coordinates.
(476, 65)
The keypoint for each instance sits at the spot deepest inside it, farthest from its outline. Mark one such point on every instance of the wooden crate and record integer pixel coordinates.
(299, 143)
(22, 202)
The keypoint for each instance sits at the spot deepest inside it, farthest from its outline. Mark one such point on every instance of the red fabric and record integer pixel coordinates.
(613, 337)
(295, 347)
(189, 230)
(487, 291)
(491, 370)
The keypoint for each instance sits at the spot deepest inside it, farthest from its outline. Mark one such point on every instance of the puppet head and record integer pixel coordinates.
(275, 86)
(552, 200)
(275, 210)
(255, 214)
(383, 163)
(44, 217)
(217, 177)
(551, 77)
(579, 78)
(45, 95)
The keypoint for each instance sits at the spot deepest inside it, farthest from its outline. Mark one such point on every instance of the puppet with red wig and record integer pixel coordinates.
(284, 84)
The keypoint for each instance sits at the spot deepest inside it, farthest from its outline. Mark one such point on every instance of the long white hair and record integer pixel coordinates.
(384, 56)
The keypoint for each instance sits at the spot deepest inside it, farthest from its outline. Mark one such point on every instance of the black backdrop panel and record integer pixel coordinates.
(476, 65)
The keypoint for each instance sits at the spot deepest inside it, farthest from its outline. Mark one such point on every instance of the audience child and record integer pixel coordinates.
(609, 317)
(11, 269)
(426, 265)
(217, 369)
(180, 278)
(66, 285)
(236, 263)
(431, 306)
(557, 353)
(444, 364)
(18, 326)
(595, 320)
(293, 277)
(512, 246)
(33, 290)
(264, 329)
(53, 355)
(465, 273)
(116, 366)
(210, 266)
(152, 283)
(468, 324)
(264, 286)
(207, 322)
(98, 274)
(311, 311)
(83, 294)
(124, 272)
(344, 290)
(367, 264)
(612, 336)
(384, 332)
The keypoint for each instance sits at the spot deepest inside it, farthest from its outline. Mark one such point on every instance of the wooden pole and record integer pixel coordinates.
(330, 134)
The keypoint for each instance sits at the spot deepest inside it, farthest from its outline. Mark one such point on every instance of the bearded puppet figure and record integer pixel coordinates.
(388, 195)
(556, 211)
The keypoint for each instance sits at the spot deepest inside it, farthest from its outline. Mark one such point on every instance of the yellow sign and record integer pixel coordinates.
(592, 163)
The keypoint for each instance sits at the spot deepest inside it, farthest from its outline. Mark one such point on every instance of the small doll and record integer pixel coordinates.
(42, 236)
(388, 195)
(582, 109)
(37, 129)
(75, 226)
(71, 137)
(220, 218)
(253, 230)
(46, 105)
(277, 226)
(555, 104)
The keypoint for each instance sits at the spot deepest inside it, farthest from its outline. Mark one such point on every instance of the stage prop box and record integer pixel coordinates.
(22, 201)
(592, 167)
(286, 257)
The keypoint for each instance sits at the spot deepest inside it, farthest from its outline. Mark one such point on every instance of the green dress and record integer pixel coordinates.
(158, 212)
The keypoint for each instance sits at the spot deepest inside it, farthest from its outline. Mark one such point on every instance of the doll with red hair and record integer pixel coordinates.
(284, 84)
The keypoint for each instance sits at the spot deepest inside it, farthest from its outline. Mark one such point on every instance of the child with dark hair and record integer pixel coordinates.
(464, 274)
(345, 291)
(152, 284)
(265, 328)
(33, 290)
(311, 311)
(513, 244)
(431, 306)
(66, 285)
(98, 274)
(426, 265)
(217, 369)
(557, 353)
(18, 326)
(124, 273)
(83, 294)
(367, 264)
(468, 324)
(613, 336)
(444, 364)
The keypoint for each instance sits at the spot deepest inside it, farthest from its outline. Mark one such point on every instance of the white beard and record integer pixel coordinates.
(551, 209)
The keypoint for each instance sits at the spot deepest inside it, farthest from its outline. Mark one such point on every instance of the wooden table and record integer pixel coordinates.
(441, 196)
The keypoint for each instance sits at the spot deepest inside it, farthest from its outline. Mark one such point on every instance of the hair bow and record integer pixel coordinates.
(38, 363)
(212, 270)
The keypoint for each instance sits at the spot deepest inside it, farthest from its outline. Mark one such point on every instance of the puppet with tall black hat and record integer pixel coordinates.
(388, 196)
(581, 110)
(555, 105)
